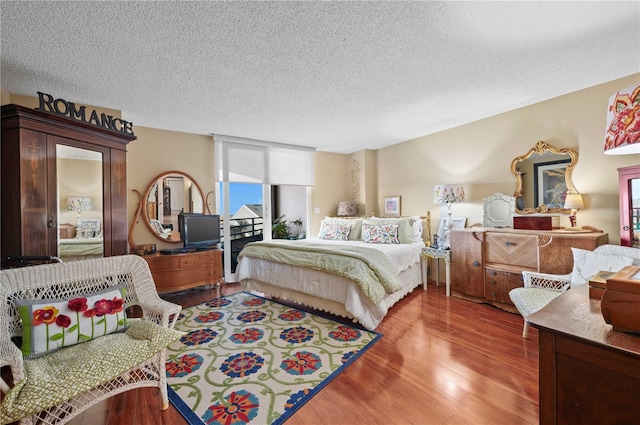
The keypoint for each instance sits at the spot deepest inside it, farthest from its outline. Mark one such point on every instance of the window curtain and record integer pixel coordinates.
(243, 160)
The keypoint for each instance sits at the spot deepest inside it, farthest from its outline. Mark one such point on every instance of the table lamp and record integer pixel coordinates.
(447, 194)
(573, 202)
(79, 204)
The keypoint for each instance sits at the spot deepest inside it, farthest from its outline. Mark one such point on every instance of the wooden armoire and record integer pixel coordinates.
(29, 209)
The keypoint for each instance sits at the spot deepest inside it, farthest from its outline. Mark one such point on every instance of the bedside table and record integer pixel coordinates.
(437, 254)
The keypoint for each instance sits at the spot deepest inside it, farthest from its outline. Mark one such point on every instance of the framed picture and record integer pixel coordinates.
(392, 205)
(88, 228)
(549, 184)
(458, 223)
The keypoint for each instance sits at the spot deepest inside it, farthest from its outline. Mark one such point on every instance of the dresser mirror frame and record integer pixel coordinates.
(542, 148)
(498, 210)
(152, 188)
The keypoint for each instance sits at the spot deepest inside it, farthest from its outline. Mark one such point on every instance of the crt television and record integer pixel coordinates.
(199, 231)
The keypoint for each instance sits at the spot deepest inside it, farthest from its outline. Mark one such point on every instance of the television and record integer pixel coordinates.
(199, 231)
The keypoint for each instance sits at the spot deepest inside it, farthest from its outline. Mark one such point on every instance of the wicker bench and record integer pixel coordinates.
(142, 356)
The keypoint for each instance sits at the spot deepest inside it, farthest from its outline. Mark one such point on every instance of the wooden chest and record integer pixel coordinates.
(67, 231)
(621, 300)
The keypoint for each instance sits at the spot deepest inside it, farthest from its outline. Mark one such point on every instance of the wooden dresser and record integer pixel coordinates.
(187, 270)
(486, 263)
(589, 373)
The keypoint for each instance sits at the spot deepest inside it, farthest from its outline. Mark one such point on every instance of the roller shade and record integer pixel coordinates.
(243, 160)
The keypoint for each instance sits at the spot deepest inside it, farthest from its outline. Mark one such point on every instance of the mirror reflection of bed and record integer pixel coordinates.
(80, 216)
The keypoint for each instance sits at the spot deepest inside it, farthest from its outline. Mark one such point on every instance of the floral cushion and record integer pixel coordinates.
(355, 223)
(383, 233)
(49, 325)
(336, 232)
(405, 226)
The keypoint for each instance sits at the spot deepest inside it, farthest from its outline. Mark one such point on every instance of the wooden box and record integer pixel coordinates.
(621, 300)
(533, 223)
(67, 231)
(598, 283)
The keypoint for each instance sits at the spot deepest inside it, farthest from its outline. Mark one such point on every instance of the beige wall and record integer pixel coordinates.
(156, 151)
(79, 178)
(478, 155)
(332, 185)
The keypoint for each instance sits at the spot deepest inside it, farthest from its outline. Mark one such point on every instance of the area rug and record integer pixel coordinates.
(250, 360)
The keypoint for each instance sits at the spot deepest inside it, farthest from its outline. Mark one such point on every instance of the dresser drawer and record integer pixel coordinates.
(513, 249)
(163, 262)
(498, 283)
(196, 260)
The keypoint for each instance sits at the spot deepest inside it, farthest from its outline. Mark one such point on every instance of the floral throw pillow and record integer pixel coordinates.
(383, 233)
(49, 325)
(336, 232)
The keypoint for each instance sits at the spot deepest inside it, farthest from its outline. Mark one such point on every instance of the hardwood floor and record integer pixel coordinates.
(442, 360)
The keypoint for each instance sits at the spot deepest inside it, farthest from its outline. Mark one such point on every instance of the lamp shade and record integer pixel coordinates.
(448, 193)
(79, 204)
(573, 202)
(623, 123)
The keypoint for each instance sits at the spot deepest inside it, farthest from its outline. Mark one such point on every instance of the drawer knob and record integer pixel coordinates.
(507, 243)
(476, 263)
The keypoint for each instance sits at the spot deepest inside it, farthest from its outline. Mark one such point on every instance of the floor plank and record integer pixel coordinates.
(441, 360)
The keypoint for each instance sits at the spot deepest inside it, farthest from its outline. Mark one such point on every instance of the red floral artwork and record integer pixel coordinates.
(623, 126)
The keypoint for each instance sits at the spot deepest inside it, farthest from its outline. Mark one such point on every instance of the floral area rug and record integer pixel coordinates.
(250, 360)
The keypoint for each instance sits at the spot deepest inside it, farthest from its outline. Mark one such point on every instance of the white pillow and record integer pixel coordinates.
(417, 229)
(587, 263)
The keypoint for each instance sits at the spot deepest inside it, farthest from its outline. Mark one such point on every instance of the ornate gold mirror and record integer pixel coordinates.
(167, 195)
(543, 179)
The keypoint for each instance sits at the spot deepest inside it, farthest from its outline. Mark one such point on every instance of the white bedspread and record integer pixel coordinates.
(329, 292)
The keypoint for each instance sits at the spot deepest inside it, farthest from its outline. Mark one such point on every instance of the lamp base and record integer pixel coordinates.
(574, 228)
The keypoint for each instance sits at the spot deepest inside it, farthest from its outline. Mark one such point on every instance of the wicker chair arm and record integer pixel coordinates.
(558, 282)
(162, 312)
(10, 355)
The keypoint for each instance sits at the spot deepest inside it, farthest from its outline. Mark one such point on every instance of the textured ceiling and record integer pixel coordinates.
(340, 76)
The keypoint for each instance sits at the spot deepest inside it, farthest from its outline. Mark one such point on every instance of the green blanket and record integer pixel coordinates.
(369, 267)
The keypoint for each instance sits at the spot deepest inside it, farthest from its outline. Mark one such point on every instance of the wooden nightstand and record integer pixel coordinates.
(437, 254)
(67, 231)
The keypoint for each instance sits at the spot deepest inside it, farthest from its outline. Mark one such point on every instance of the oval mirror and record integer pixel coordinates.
(167, 195)
(543, 179)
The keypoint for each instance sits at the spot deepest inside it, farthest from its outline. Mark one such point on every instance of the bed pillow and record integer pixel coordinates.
(405, 224)
(587, 263)
(334, 232)
(355, 233)
(416, 228)
(49, 325)
(380, 233)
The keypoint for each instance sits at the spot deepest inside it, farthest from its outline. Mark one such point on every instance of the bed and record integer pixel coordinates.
(265, 267)
(81, 247)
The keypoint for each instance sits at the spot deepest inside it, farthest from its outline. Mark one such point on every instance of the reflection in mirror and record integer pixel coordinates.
(80, 209)
(167, 195)
(498, 210)
(543, 178)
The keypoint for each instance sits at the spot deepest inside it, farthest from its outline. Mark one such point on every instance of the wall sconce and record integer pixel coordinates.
(79, 205)
(447, 194)
(623, 123)
(573, 202)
